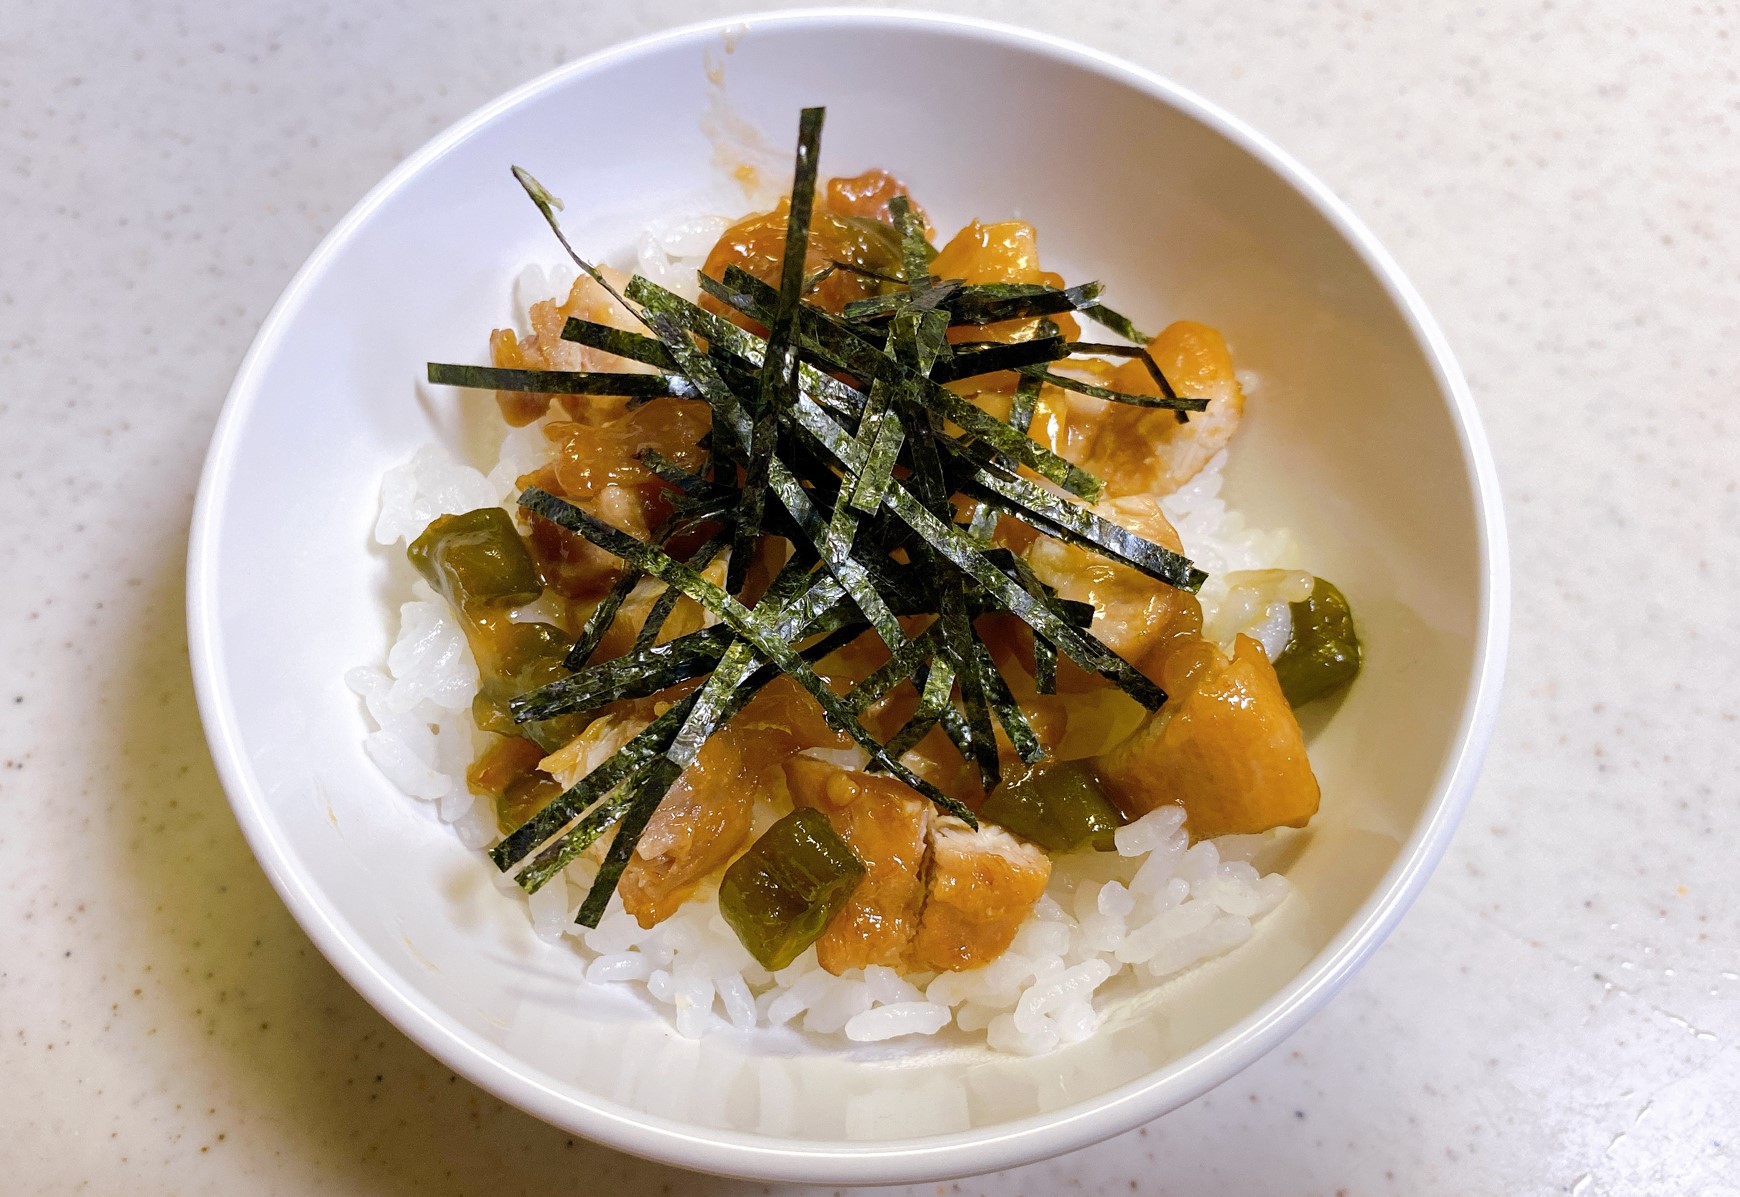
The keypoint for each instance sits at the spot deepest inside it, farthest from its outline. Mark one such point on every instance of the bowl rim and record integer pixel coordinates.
(1005, 1145)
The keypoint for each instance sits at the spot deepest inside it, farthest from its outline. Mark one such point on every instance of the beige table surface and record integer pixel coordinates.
(1560, 1013)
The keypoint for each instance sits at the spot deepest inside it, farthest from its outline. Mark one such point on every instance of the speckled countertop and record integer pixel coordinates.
(1560, 1013)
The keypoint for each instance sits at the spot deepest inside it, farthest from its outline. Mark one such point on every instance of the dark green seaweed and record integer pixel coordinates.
(838, 434)
(563, 382)
(1100, 314)
(779, 365)
(1014, 355)
(1009, 713)
(1173, 403)
(822, 334)
(934, 690)
(548, 205)
(631, 345)
(757, 631)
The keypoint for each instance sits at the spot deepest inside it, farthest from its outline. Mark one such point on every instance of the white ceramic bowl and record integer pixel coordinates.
(1363, 439)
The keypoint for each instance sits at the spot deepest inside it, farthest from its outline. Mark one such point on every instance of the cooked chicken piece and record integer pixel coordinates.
(1225, 745)
(1005, 251)
(757, 244)
(597, 446)
(602, 739)
(981, 886)
(698, 826)
(884, 823)
(866, 196)
(1145, 450)
(1129, 607)
(701, 823)
(781, 720)
(544, 349)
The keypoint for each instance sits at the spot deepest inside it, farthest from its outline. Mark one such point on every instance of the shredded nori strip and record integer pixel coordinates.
(880, 434)
(548, 205)
(823, 335)
(598, 623)
(691, 484)
(641, 800)
(779, 366)
(642, 671)
(716, 701)
(1009, 712)
(667, 602)
(595, 785)
(1025, 404)
(928, 293)
(993, 303)
(631, 345)
(564, 382)
(1174, 403)
(863, 271)
(980, 741)
(1044, 665)
(1035, 505)
(1079, 525)
(1148, 362)
(651, 740)
(952, 543)
(915, 252)
(1010, 356)
(956, 546)
(756, 631)
(933, 700)
(837, 434)
(1100, 314)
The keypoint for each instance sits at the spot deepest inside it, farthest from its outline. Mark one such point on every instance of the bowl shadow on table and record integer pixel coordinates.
(277, 1035)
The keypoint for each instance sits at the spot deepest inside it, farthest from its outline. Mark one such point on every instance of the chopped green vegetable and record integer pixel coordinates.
(1058, 805)
(479, 564)
(1323, 653)
(477, 558)
(515, 657)
(779, 895)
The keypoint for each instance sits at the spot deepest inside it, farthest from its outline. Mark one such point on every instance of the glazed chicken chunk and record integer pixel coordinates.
(884, 823)
(982, 886)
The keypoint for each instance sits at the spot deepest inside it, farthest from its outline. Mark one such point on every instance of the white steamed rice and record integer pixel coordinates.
(1108, 920)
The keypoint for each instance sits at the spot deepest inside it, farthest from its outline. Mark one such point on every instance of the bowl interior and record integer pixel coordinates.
(1350, 441)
